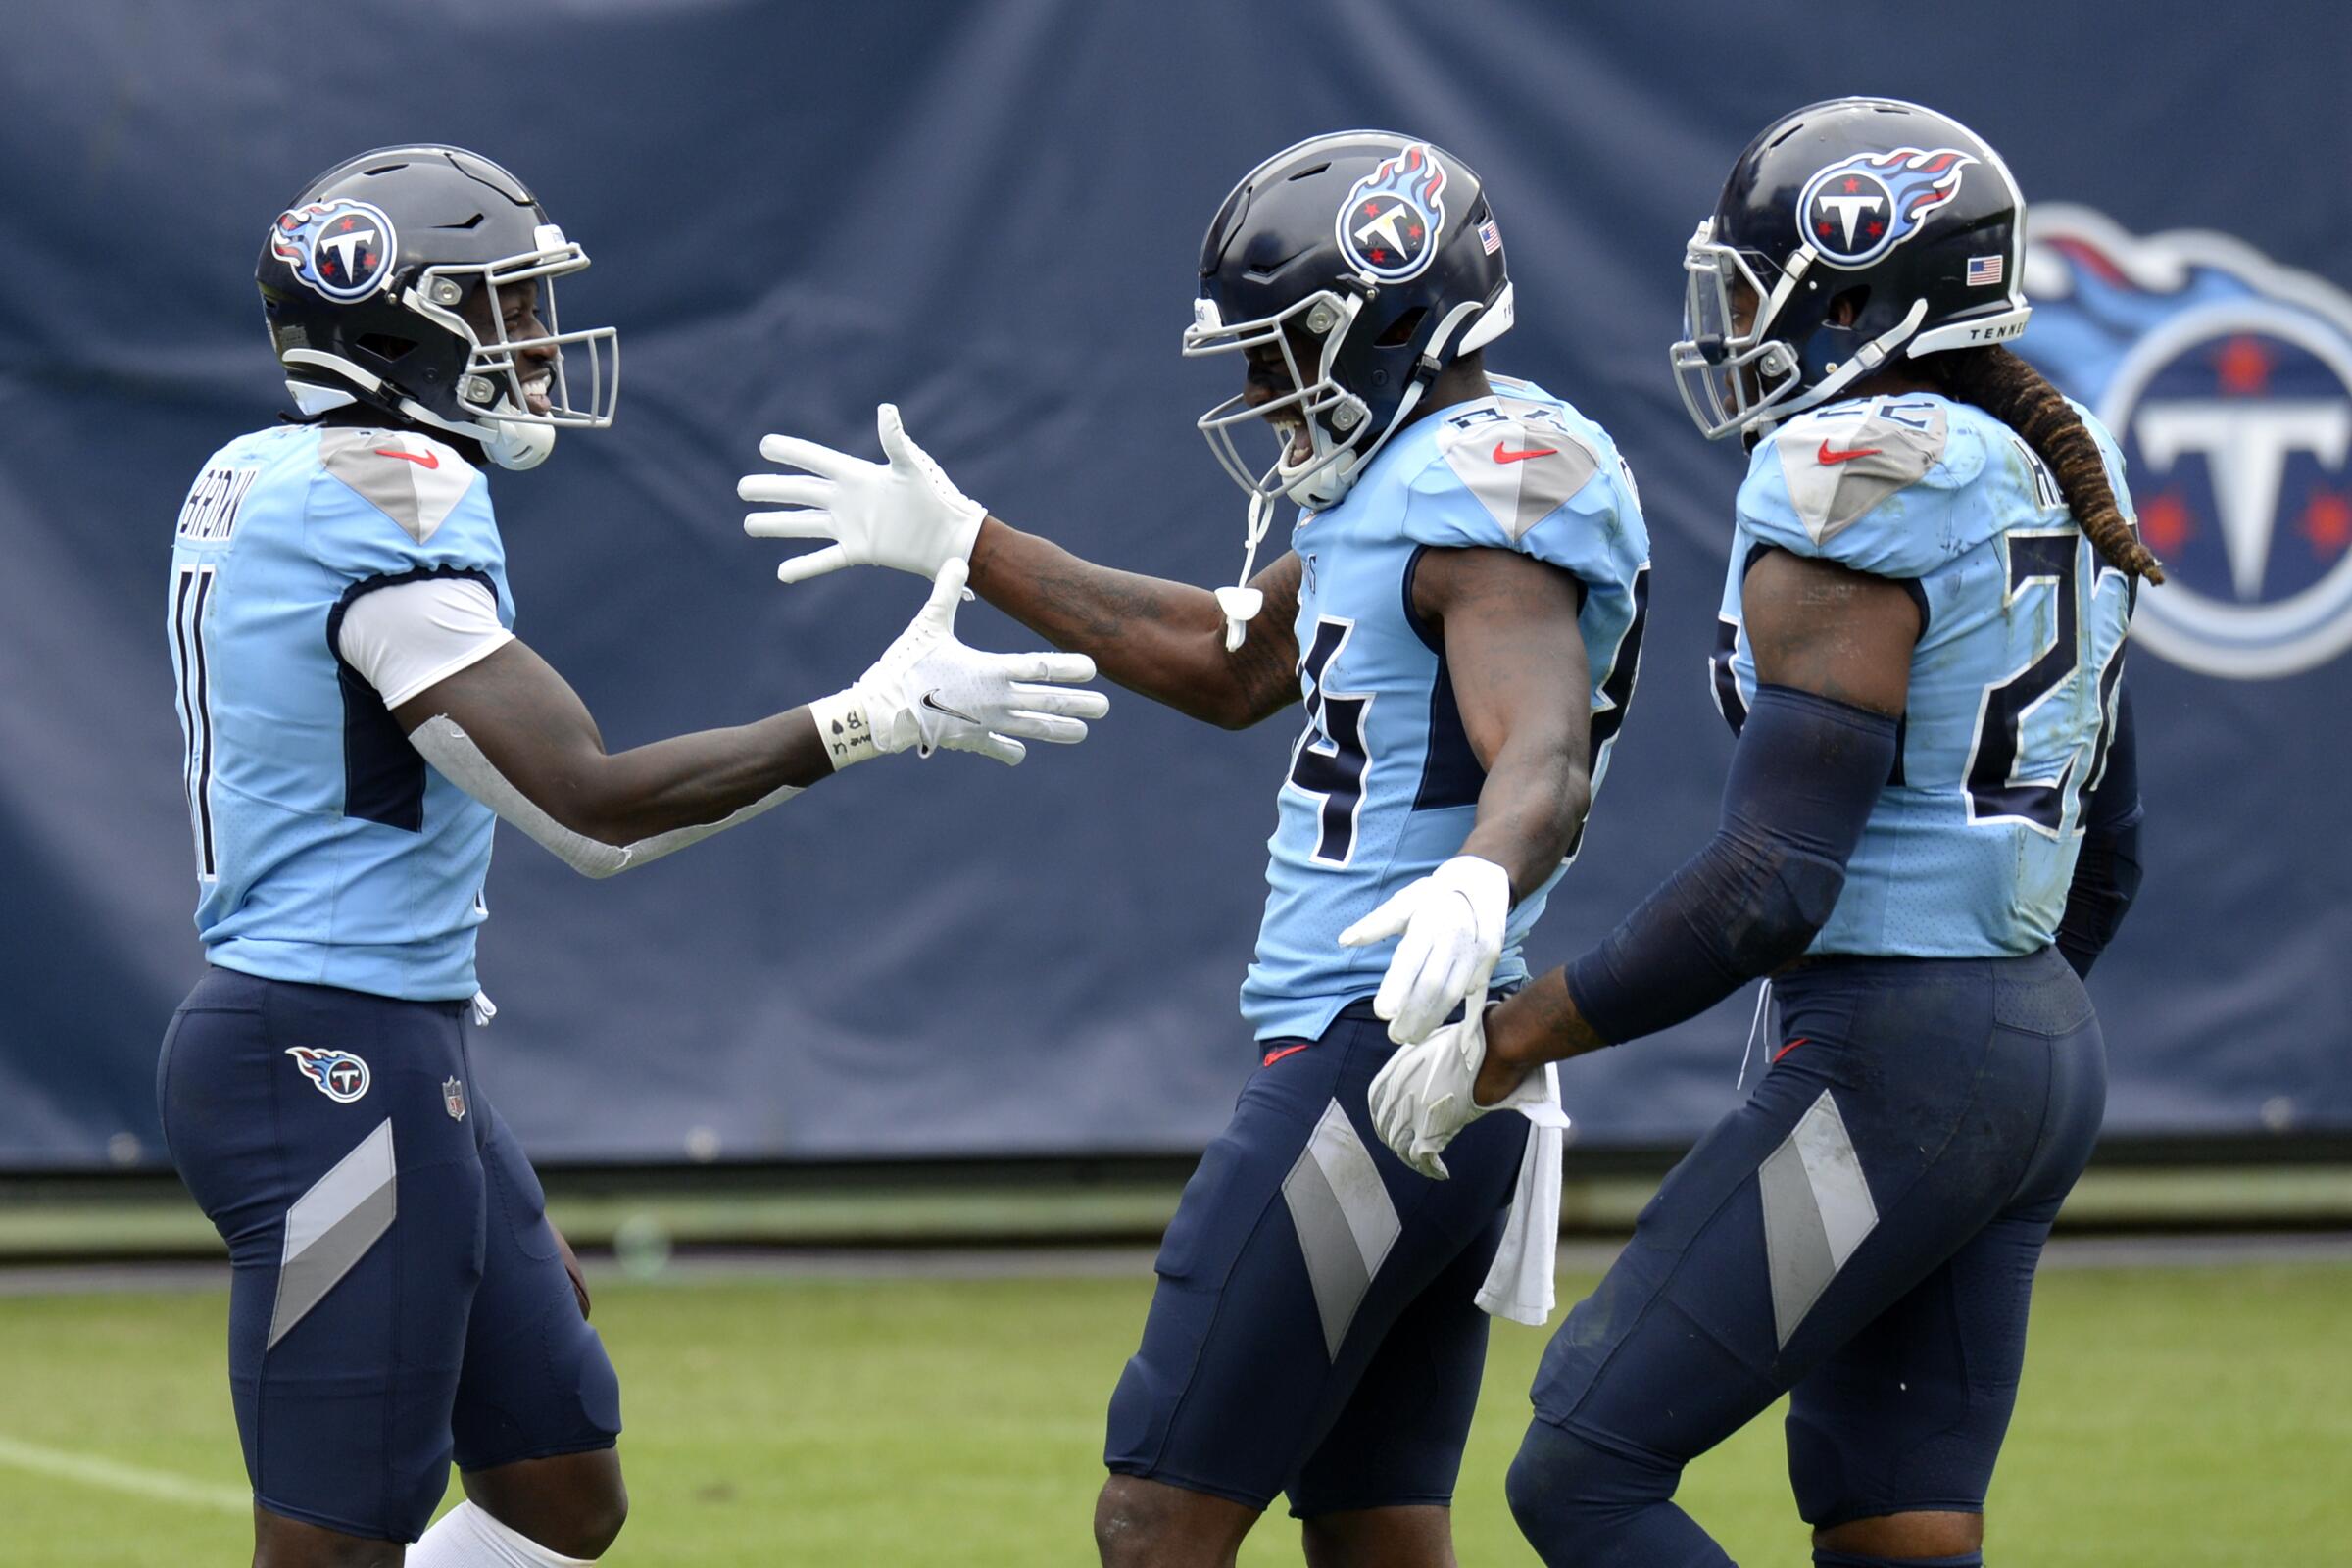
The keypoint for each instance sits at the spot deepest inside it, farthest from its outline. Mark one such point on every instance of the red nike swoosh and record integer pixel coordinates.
(1502, 456)
(1791, 1046)
(1273, 1056)
(423, 460)
(1825, 455)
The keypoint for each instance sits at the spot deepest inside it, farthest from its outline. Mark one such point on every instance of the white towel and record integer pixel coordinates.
(1520, 1285)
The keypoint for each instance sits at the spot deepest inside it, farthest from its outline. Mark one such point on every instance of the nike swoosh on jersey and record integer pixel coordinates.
(423, 460)
(932, 701)
(1503, 456)
(1828, 454)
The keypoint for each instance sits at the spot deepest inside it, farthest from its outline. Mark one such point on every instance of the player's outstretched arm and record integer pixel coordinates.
(1165, 640)
(510, 731)
(1162, 639)
(1516, 660)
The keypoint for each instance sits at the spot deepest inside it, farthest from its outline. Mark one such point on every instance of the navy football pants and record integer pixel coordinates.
(1860, 1235)
(1316, 1329)
(397, 1297)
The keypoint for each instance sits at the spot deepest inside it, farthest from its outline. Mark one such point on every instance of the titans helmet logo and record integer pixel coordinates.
(342, 249)
(1390, 223)
(1860, 208)
(2226, 380)
(337, 1074)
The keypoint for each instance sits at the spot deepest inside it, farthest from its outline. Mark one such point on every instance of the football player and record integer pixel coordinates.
(1460, 609)
(357, 707)
(1929, 831)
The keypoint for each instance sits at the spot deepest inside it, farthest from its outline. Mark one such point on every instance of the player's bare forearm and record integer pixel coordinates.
(1516, 661)
(1534, 800)
(1162, 639)
(1540, 1023)
(534, 729)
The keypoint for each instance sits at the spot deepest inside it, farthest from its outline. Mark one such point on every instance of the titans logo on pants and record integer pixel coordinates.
(2227, 380)
(1389, 224)
(339, 1074)
(343, 249)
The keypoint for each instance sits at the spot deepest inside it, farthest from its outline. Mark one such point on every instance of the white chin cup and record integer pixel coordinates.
(515, 446)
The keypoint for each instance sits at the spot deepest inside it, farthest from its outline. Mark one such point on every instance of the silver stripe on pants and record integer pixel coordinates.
(330, 1227)
(1817, 1209)
(1344, 1219)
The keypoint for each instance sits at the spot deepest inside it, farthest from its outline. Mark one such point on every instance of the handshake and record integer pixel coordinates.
(928, 690)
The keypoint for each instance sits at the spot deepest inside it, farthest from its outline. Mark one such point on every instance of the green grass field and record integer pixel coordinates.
(2170, 1416)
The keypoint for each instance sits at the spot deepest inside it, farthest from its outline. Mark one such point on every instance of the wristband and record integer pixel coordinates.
(842, 725)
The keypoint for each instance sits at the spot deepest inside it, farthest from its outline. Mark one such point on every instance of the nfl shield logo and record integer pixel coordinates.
(453, 1098)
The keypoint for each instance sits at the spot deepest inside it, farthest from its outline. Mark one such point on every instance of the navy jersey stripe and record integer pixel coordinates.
(383, 776)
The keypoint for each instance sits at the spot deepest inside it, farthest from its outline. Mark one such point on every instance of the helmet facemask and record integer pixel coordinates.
(1335, 418)
(496, 374)
(1732, 379)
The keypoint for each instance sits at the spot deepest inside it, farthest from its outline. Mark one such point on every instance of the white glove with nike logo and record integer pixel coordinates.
(928, 690)
(1451, 923)
(904, 513)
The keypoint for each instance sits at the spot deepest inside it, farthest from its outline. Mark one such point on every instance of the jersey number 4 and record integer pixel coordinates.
(2010, 779)
(191, 593)
(1330, 760)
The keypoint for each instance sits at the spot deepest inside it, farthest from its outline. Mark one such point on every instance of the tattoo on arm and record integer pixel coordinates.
(1165, 640)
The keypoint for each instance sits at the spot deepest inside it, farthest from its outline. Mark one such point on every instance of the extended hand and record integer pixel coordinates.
(928, 690)
(904, 513)
(1451, 923)
(1425, 1096)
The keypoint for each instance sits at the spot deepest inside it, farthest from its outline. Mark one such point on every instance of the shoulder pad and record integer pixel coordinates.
(411, 479)
(1519, 460)
(1840, 461)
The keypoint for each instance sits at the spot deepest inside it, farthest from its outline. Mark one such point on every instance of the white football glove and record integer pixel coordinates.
(1423, 1098)
(904, 513)
(928, 690)
(1451, 923)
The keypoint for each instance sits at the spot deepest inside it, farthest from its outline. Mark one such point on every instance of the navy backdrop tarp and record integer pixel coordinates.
(990, 213)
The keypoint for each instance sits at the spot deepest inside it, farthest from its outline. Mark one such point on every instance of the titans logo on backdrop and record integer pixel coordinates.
(1383, 784)
(326, 851)
(1970, 847)
(2227, 382)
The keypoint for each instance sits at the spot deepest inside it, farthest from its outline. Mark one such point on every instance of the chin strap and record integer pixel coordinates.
(512, 444)
(1241, 603)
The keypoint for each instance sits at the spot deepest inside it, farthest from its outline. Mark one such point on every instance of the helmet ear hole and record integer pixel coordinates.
(1847, 305)
(1401, 331)
(386, 347)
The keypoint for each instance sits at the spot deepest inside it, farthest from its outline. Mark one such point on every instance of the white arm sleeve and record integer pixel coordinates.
(411, 635)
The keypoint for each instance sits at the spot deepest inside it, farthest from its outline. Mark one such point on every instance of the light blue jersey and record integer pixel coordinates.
(1972, 845)
(326, 851)
(1383, 784)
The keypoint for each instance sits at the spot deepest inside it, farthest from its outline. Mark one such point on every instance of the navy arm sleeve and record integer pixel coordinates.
(2107, 873)
(1804, 777)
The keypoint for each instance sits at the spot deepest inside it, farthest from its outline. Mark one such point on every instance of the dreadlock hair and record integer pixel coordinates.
(2021, 398)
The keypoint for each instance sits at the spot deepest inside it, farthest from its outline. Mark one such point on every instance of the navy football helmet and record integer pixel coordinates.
(1382, 252)
(371, 282)
(1902, 213)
